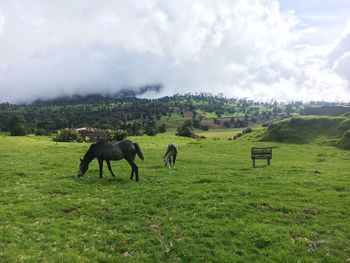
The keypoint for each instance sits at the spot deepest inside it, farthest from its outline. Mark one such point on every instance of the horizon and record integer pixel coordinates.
(119, 96)
(259, 50)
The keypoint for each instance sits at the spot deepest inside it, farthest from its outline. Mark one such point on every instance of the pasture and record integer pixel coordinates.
(213, 207)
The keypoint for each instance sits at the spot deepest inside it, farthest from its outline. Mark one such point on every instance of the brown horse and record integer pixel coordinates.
(112, 150)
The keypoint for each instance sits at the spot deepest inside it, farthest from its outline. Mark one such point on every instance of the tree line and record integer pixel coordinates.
(135, 115)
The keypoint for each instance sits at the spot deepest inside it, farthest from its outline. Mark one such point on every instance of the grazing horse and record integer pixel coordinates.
(112, 150)
(171, 152)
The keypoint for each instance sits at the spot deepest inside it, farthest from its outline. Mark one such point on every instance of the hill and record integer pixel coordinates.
(309, 129)
(332, 110)
(112, 112)
(137, 116)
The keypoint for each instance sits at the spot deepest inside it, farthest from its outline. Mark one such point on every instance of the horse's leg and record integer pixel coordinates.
(135, 170)
(132, 168)
(167, 162)
(174, 158)
(100, 163)
(110, 168)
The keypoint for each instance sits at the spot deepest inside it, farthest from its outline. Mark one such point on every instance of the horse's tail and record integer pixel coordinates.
(138, 151)
(175, 149)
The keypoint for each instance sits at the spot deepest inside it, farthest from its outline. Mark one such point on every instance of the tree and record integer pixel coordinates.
(185, 130)
(289, 109)
(162, 129)
(17, 125)
(135, 129)
(150, 127)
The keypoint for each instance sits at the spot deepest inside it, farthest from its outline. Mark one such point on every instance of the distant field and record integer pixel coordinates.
(213, 207)
(173, 121)
(224, 134)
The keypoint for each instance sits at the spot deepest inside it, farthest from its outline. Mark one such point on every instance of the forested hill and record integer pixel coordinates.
(135, 114)
(98, 98)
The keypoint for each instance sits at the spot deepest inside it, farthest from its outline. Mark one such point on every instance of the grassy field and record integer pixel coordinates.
(216, 134)
(213, 207)
(173, 121)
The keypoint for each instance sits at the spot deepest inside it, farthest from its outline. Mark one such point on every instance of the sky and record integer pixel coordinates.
(258, 49)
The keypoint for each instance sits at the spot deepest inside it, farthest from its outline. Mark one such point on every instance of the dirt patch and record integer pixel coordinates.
(70, 210)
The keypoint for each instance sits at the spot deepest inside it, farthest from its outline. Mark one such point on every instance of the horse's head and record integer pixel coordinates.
(83, 167)
(166, 161)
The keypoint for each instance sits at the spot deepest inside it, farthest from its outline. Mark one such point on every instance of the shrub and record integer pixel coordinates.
(68, 135)
(185, 130)
(19, 130)
(240, 134)
(162, 129)
(199, 136)
(247, 130)
(237, 136)
(120, 135)
(41, 132)
(117, 135)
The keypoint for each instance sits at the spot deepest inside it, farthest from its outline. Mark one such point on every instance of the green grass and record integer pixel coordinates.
(344, 141)
(219, 133)
(173, 121)
(212, 115)
(213, 207)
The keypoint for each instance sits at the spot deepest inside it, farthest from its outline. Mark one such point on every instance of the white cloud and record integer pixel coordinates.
(342, 65)
(240, 48)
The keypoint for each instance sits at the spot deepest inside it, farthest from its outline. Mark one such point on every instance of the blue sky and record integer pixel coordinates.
(330, 16)
(307, 6)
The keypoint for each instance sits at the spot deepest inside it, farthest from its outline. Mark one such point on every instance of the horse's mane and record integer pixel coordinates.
(89, 155)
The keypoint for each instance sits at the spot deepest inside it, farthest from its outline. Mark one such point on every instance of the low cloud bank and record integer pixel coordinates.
(238, 48)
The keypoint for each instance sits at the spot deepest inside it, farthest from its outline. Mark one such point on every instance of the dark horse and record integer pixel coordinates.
(112, 150)
(171, 152)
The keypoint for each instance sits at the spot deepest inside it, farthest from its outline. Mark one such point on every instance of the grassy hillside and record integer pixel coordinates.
(344, 141)
(328, 130)
(213, 207)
